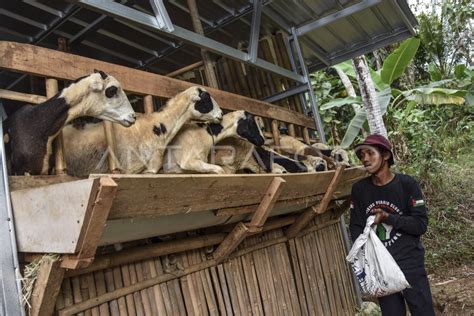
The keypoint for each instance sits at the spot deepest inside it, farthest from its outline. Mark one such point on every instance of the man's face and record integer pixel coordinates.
(370, 158)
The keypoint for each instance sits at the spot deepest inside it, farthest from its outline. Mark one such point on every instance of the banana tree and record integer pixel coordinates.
(393, 67)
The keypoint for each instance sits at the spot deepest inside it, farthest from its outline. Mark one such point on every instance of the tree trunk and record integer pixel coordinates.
(369, 97)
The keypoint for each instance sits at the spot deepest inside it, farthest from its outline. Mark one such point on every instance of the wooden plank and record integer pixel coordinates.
(28, 182)
(95, 222)
(38, 61)
(161, 198)
(231, 242)
(40, 212)
(296, 204)
(266, 206)
(47, 287)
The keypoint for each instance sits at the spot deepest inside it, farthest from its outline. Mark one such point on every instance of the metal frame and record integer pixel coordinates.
(162, 17)
(123, 12)
(312, 98)
(10, 277)
(336, 16)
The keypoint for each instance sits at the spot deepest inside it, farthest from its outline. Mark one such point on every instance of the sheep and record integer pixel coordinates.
(338, 154)
(292, 146)
(31, 130)
(234, 155)
(190, 149)
(141, 147)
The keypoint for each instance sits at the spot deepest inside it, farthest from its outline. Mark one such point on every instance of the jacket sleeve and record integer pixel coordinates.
(357, 216)
(415, 220)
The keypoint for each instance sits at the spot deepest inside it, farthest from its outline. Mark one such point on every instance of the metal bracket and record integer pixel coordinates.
(162, 17)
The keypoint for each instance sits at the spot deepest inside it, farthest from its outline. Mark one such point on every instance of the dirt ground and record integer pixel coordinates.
(454, 295)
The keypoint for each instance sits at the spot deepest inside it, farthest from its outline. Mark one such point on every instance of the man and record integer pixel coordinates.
(401, 218)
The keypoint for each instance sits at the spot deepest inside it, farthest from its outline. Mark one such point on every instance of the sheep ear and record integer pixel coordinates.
(102, 74)
(97, 85)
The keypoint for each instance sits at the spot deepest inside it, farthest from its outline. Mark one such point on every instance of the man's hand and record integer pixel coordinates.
(380, 215)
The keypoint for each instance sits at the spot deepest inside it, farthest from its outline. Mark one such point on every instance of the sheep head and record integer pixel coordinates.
(202, 106)
(101, 96)
(247, 128)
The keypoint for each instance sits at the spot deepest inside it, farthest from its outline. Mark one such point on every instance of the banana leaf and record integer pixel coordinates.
(396, 63)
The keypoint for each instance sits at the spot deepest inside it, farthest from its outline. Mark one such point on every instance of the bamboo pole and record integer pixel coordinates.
(185, 69)
(210, 74)
(23, 97)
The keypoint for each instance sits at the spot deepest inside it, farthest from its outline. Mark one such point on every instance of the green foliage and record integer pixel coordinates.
(395, 64)
(435, 144)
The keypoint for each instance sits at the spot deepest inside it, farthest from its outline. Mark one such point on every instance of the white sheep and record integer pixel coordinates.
(189, 151)
(31, 130)
(141, 147)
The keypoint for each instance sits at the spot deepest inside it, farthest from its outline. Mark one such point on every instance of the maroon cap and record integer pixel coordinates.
(379, 141)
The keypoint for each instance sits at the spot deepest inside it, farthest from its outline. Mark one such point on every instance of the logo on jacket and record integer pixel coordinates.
(384, 231)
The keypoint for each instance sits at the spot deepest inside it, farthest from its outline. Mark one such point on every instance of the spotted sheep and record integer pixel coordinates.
(140, 149)
(31, 130)
(339, 155)
(190, 150)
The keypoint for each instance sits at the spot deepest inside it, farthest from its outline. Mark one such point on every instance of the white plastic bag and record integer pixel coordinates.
(377, 272)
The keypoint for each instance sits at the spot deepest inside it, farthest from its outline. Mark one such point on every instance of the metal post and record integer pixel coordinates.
(312, 98)
(10, 278)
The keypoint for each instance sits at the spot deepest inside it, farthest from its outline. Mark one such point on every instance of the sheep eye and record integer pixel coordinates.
(111, 91)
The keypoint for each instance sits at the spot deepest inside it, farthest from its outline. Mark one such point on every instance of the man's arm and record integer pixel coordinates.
(416, 222)
(357, 217)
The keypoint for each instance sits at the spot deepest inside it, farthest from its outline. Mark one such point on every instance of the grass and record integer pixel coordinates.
(448, 189)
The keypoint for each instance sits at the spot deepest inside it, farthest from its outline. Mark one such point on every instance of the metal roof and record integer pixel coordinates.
(329, 31)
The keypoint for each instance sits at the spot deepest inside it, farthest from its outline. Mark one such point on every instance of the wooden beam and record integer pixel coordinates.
(47, 286)
(241, 230)
(38, 61)
(309, 214)
(267, 204)
(95, 225)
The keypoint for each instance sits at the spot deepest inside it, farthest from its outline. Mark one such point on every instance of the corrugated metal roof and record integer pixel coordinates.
(106, 38)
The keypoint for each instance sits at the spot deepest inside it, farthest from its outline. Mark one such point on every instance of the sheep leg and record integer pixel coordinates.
(201, 167)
